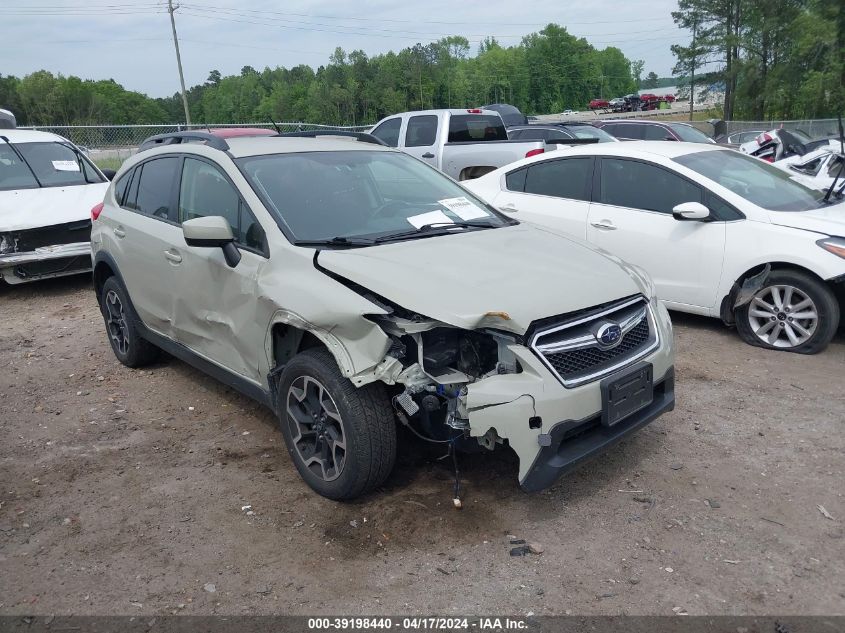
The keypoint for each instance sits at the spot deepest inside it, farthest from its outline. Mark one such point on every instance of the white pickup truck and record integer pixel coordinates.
(463, 144)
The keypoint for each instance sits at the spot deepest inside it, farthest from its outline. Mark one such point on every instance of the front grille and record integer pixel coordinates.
(571, 348)
(30, 239)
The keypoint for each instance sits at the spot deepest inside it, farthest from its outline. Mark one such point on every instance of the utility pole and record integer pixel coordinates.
(692, 68)
(171, 10)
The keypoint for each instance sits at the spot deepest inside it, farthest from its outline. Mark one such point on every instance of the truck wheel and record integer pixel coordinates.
(793, 312)
(342, 439)
(127, 344)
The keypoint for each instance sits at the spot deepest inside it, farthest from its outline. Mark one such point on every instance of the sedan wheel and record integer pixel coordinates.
(783, 316)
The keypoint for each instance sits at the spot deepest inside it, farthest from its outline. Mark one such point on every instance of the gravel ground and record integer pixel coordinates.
(124, 492)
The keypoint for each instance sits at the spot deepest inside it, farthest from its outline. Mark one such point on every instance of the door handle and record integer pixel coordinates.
(428, 155)
(173, 256)
(605, 225)
(119, 232)
(508, 208)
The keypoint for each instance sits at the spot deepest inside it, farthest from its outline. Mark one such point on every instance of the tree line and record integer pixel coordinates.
(548, 71)
(774, 59)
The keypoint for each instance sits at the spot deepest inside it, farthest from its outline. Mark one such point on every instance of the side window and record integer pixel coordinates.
(389, 131)
(654, 133)
(569, 178)
(515, 181)
(120, 187)
(422, 131)
(633, 131)
(204, 191)
(535, 135)
(515, 135)
(721, 209)
(154, 187)
(837, 167)
(627, 183)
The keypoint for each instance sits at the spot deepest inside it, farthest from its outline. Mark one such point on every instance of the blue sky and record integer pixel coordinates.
(131, 42)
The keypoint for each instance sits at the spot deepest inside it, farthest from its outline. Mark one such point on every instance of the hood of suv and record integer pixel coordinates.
(22, 209)
(827, 220)
(466, 279)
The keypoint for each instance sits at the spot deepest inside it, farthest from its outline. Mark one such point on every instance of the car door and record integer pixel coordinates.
(553, 193)
(140, 233)
(214, 304)
(631, 216)
(421, 137)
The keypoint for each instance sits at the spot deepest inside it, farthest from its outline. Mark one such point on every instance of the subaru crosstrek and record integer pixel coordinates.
(351, 287)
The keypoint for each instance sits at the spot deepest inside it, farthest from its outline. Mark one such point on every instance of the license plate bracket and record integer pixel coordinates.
(625, 393)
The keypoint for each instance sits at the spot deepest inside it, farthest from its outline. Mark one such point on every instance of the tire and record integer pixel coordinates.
(361, 419)
(127, 344)
(768, 319)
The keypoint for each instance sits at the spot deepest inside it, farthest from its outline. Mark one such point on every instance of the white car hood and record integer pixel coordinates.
(22, 209)
(523, 271)
(827, 220)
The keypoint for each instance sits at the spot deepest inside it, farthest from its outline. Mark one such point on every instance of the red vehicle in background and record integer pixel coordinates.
(599, 104)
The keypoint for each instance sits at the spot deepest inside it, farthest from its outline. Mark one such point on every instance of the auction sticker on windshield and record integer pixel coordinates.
(463, 208)
(65, 165)
(432, 217)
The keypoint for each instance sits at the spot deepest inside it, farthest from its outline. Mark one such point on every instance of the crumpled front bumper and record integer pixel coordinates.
(552, 428)
(45, 253)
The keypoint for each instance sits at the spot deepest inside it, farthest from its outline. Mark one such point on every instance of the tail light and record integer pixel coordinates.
(475, 111)
(96, 210)
(533, 152)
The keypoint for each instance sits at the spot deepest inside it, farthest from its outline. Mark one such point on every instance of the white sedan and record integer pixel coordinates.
(47, 189)
(818, 169)
(721, 233)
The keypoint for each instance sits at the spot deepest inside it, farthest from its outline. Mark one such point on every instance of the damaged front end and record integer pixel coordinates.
(44, 252)
(487, 387)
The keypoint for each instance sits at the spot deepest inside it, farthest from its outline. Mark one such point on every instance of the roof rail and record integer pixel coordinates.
(358, 136)
(174, 138)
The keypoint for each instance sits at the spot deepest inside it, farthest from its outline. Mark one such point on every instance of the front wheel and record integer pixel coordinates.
(342, 439)
(793, 312)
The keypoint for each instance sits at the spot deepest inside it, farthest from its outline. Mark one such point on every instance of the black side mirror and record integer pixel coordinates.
(109, 173)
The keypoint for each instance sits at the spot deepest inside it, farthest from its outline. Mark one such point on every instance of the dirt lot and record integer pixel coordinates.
(122, 493)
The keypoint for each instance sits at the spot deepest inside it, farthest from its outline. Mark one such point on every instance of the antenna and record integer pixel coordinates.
(275, 125)
(842, 164)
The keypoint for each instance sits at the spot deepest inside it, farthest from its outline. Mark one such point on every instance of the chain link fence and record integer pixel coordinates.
(109, 145)
(814, 128)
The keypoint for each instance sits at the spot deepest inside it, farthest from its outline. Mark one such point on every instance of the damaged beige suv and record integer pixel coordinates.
(350, 288)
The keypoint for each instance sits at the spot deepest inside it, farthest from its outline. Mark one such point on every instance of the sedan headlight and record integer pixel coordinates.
(835, 245)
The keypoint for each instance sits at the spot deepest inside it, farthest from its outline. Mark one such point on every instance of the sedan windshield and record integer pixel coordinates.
(31, 165)
(588, 131)
(334, 196)
(753, 179)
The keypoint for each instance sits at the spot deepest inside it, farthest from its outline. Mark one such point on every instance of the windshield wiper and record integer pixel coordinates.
(432, 228)
(23, 160)
(349, 242)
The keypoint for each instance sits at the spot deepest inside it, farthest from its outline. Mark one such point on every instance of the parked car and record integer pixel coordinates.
(778, 144)
(555, 135)
(599, 104)
(584, 130)
(461, 143)
(7, 120)
(644, 130)
(511, 115)
(722, 234)
(47, 189)
(738, 138)
(818, 169)
(348, 286)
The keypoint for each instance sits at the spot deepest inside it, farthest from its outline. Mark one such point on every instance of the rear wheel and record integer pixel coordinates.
(792, 312)
(342, 439)
(127, 344)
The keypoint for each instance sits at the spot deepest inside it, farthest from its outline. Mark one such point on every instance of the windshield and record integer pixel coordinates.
(359, 194)
(588, 131)
(753, 179)
(690, 134)
(44, 164)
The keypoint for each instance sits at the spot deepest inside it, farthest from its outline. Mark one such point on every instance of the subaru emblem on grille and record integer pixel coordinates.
(609, 335)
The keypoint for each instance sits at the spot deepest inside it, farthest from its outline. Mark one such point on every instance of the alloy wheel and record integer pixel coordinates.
(316, 427)
(116, 322)
(783, 316)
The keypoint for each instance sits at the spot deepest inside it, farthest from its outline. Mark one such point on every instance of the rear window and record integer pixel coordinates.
(476, 127)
